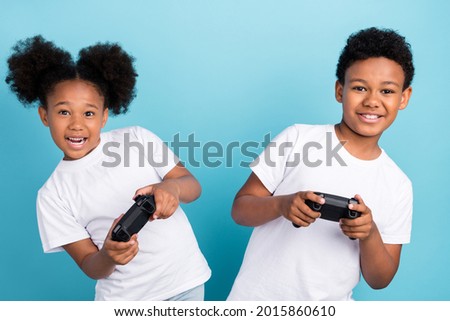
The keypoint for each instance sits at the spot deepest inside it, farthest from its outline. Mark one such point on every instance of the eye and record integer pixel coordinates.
(387, 91)
(63, 112)
(359, 88)
(89, 114)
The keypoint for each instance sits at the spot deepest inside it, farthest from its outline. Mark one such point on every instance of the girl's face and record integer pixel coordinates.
(75, 114)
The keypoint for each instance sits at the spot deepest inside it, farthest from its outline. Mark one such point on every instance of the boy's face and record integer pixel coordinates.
(75, 114)
(372, 95)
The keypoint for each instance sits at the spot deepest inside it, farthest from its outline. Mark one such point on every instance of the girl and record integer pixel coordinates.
(84, 197)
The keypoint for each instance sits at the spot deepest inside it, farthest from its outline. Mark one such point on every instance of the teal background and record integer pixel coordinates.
(228, 71)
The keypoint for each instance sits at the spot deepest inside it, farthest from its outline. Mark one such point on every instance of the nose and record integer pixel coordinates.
(76, 122)
(371, 100)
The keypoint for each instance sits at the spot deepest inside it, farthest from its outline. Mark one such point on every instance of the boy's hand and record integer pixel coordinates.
(119, 253)
(360, 227)
(294, 209)
(166, 196)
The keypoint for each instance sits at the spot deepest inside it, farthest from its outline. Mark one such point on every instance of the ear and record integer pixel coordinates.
(406, 94)
(43, 115)
(338, 91)
(105, 116)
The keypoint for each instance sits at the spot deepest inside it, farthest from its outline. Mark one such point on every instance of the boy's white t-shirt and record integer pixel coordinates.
(82, 198)
(318, 262)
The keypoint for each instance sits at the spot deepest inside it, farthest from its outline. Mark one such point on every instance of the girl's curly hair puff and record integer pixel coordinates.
(37, 65)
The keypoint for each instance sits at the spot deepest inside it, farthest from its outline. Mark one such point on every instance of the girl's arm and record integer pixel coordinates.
(254, 205)
(99, 264)
(379, 261)
(179, 185)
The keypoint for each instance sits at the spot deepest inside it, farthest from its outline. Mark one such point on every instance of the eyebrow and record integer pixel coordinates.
(62, 103)
(387, 82)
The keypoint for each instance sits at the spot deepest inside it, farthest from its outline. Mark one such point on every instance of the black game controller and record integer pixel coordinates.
(134, 219)
(335, 207)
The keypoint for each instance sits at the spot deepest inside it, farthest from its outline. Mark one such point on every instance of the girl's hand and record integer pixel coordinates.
(119, 253)
(360, 227)
(294, 209)
(166, 196)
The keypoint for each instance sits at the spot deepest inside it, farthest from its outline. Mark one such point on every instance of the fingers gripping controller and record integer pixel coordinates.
(334, 208)
(134, 219)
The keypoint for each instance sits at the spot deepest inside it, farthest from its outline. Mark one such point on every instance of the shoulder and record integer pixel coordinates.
(131, 133)
(313, 130)
(51, 190)
(304, 132)
(395, 172)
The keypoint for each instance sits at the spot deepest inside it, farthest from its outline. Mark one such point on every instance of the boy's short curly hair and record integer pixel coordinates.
(37, 65)
(374, 42)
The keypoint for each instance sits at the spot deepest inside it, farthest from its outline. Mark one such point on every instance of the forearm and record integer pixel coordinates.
(97, 266)
(249, 210)
(94, 263)
(378, 264)
(187, 188)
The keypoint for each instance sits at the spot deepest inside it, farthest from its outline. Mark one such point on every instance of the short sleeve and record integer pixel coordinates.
(57, 227)
(159, 155)
(270, 166)
(398, 229)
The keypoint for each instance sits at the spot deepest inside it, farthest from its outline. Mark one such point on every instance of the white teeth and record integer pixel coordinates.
(76, 140)
(369, 116)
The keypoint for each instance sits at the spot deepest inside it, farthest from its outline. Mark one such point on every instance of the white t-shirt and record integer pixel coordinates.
(318, 262)
(82, 198)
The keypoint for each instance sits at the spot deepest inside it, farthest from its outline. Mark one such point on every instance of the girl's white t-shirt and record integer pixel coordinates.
(82, 198)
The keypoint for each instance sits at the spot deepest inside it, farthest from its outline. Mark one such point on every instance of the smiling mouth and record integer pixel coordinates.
(370, 116)
(77, 141)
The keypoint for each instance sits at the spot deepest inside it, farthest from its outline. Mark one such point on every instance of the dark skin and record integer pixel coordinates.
(371, 97)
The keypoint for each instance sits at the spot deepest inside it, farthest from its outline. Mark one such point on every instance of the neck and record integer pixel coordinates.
(362, 147)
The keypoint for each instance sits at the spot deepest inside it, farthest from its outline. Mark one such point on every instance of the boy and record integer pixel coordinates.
(322, 260)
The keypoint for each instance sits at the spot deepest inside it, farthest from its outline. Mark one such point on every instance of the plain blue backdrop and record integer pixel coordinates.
(228, 71)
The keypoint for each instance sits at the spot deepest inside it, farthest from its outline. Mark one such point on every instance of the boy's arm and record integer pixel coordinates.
(379, 261)
(254, 205)
(178, 185)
